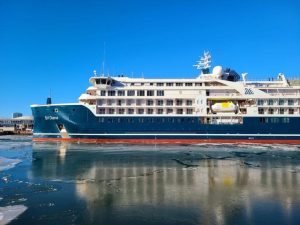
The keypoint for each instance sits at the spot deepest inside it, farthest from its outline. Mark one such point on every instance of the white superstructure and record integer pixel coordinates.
(219, 94)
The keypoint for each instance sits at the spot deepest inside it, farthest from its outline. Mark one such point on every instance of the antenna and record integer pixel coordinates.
(103, 62)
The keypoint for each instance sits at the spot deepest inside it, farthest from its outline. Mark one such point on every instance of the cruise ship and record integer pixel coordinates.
(218, 106)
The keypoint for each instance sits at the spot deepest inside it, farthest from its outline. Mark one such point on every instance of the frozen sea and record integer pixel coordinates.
(73, 183)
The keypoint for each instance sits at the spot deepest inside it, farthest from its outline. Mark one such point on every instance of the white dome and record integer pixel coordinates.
(217, 70)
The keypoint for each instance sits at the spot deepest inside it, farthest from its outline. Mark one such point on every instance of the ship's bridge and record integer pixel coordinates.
(102, 81)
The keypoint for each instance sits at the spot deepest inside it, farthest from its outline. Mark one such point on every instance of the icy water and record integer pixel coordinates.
(63, 183)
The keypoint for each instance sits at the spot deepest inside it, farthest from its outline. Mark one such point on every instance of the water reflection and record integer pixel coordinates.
(177, 184)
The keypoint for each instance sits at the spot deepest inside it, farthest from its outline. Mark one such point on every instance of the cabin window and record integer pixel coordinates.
(290, 102)
(198, 84)
(159, 102)
(140, 93)
(138, 102)
(100, 102)
(111, 111)
(170, 84)
(140, 111)
(160, 84)
(160, 111)
(179, 102)
(130, 93)
(260, 111)
(260, 102)
(150, 93)
(160, 93)
(169, 111)
(188, 84)
(110, 102)
(291, 111)
(169, 102)
(111, 93)
(149, 102)
(189, 111)
(130, 111)
(103, 81)
(97, 81)
(270, 102)
(189, 102)
(121, 111)
(179, 111)
(149, 111)
(119, 102)
(121, 93)
(281, 111)
(101, 111)
(270, 111)
(281, 102)
(103, 93)
(179, 84)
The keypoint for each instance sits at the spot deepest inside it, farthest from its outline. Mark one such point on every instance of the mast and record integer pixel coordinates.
(204, 63)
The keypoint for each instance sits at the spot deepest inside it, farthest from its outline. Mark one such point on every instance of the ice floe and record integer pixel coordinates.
(8, 213)
(6, 163)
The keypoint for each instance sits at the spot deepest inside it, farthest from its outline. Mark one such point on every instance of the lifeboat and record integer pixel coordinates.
(226, 106)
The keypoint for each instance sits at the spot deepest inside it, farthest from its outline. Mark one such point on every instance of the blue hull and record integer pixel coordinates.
(81, 123)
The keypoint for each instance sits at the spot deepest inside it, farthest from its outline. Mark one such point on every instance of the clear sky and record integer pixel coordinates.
(56, 44)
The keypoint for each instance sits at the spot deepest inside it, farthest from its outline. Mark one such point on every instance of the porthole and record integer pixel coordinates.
(56, 110)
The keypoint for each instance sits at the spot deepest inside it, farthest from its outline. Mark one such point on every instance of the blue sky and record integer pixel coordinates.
(57, 44)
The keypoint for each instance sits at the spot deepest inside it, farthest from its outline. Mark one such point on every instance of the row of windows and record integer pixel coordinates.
(132, 93)
(169, 84)
(149, 102)
(143, 111)
(272, 101)
(274, 120)
(271, 111)
(147, 120)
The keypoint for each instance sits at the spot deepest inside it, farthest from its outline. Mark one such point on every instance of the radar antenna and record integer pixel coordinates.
(204, 63)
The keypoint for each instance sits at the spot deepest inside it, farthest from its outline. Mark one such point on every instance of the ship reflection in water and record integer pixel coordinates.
(194, 184)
